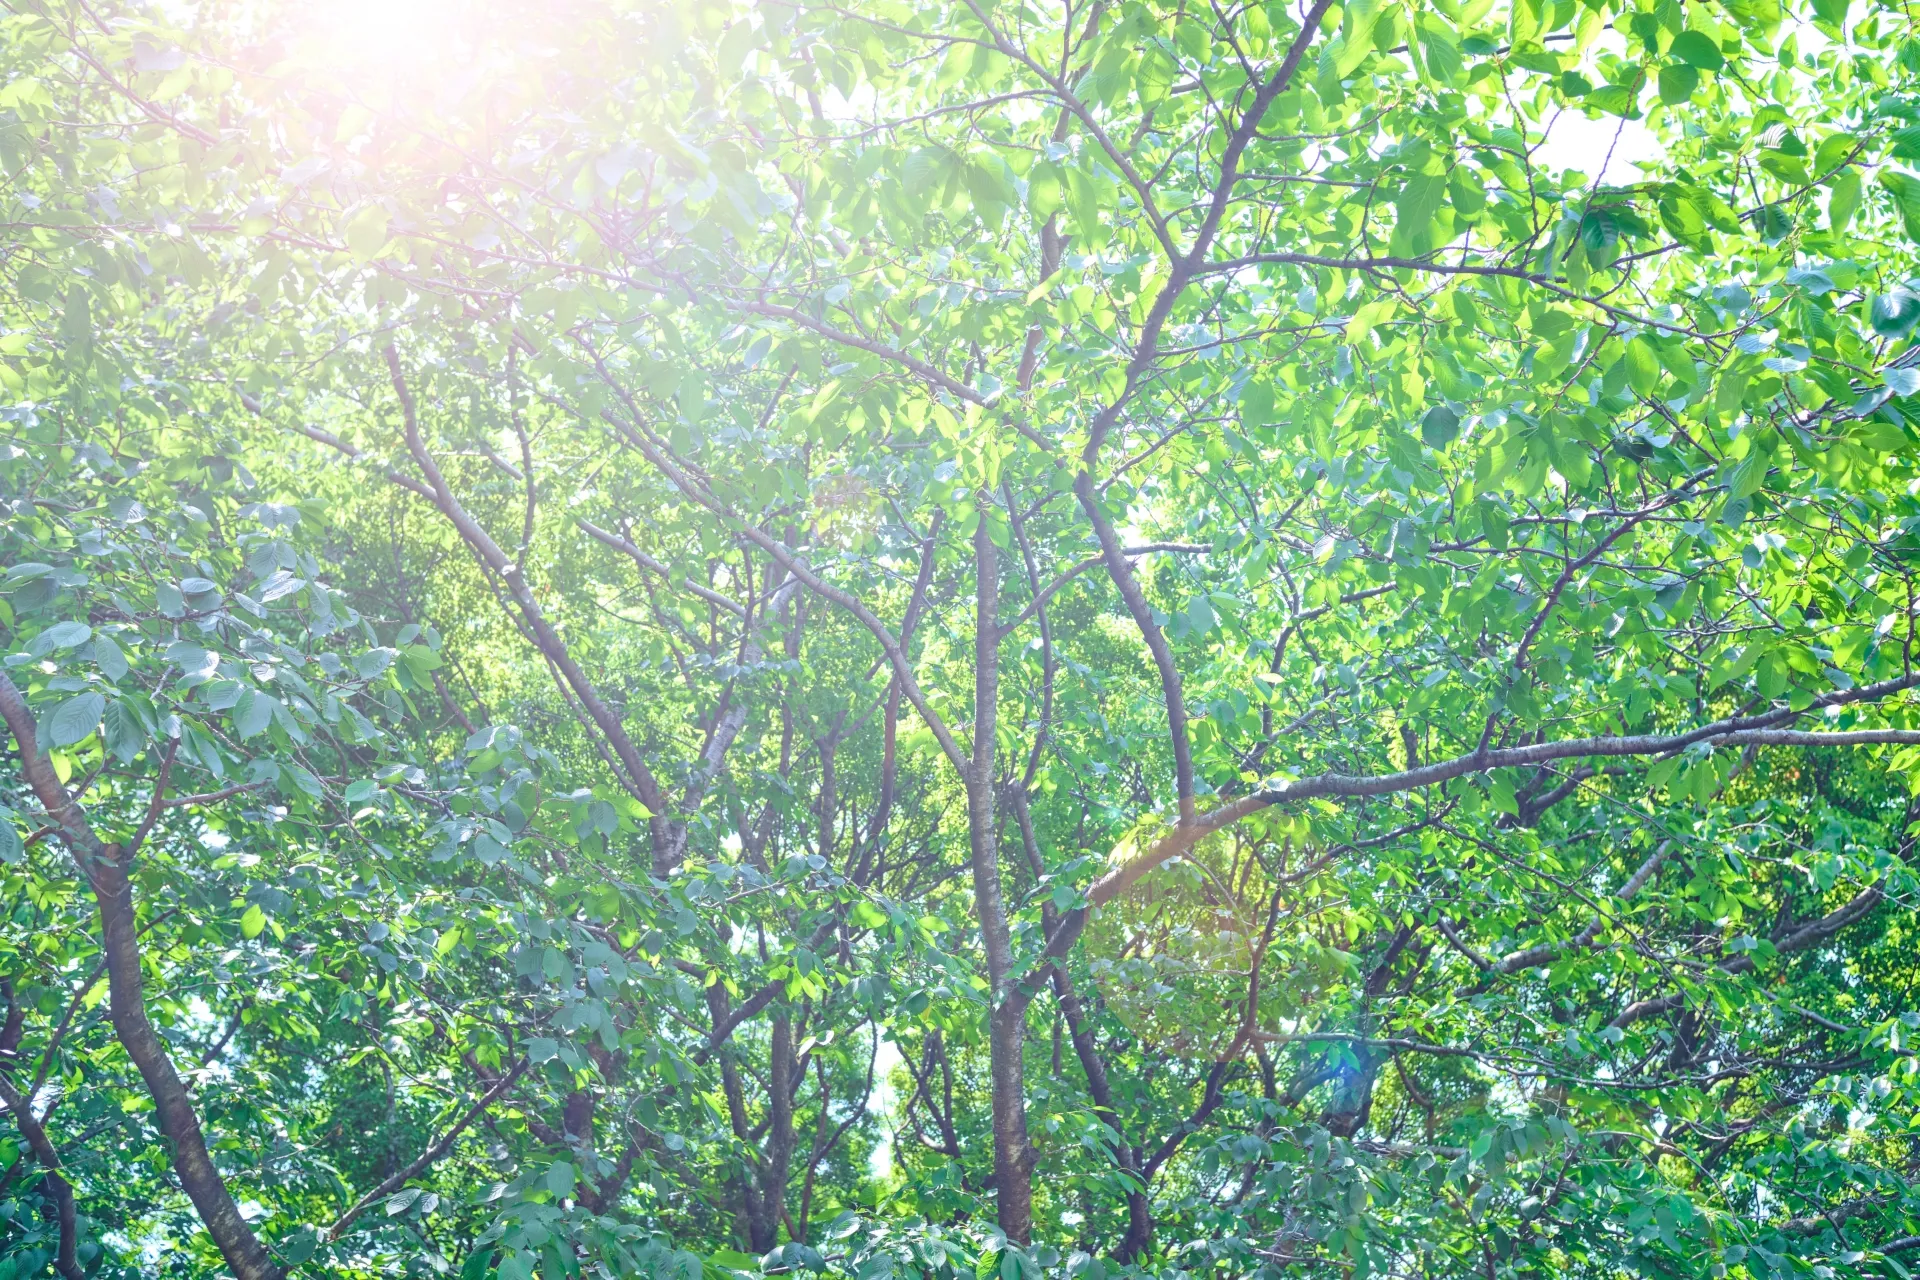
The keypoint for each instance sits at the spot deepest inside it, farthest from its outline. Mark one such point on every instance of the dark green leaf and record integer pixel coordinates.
(125, 735)
(253, 714)
(108, 657)
(76, 719)
(1439, 426)
(1895, 312)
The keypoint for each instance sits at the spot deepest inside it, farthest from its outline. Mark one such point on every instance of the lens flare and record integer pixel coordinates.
(391, 40)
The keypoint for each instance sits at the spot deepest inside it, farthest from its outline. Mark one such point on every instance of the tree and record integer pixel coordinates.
(1394, 634)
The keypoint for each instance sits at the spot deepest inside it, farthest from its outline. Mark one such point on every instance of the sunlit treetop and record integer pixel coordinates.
(1014, 638)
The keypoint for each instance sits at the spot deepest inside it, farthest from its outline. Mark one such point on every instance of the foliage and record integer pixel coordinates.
(963, 637)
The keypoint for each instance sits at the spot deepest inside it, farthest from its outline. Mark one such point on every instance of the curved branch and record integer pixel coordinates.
(1807, 935)
(58, 1190)
(103, 868)
(1737, 731)
(1172, 690)
(1047, 592)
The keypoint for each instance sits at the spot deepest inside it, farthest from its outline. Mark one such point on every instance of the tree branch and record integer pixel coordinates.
(103, 869)
(1737, 731)
(399, 1179)
(1800, 939)
(552, 647)
(54, 1184)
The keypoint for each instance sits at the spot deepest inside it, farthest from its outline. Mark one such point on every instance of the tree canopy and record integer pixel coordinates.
(939, 638)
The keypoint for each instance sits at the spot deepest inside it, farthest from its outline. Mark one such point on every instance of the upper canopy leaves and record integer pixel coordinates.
(1410, 508)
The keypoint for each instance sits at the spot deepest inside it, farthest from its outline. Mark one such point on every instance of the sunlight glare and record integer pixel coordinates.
(395, 38)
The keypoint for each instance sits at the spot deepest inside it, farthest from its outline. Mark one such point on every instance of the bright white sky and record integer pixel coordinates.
(1575, 142)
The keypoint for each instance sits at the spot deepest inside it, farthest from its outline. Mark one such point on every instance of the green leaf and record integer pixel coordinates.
(1697, 49)
(76, 719)
(1356, 36)
(1905, 190)
(1844, 199)
(1615, 99)
(1256, 404)
(366, 232)
(13, 850)
(1046, 190)
(1832, 153)
(252, 921)
(1643, 366)
(1730, 395)
(1524, 20)
(1748, 476)
(991, 193)
(1443, 60)
(62, 635)
(299, 1246)
(108, 657)
(125, 734)
(926, 170)
(1439, 426)
(1880, 435)
(1467, 191)
(1677, 83)
(1893, 314)
(1790, 167)
(421, 661)
(560, 1178)
(1367, 316)
(1419, 200)
(76, 326)
(1085, 202)
(1684, 221)
(254, 713)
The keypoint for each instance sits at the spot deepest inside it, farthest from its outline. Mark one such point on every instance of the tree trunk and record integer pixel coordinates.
(1012, 1157)
(127, 1007)
(780, 1090)
(178, 1119)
